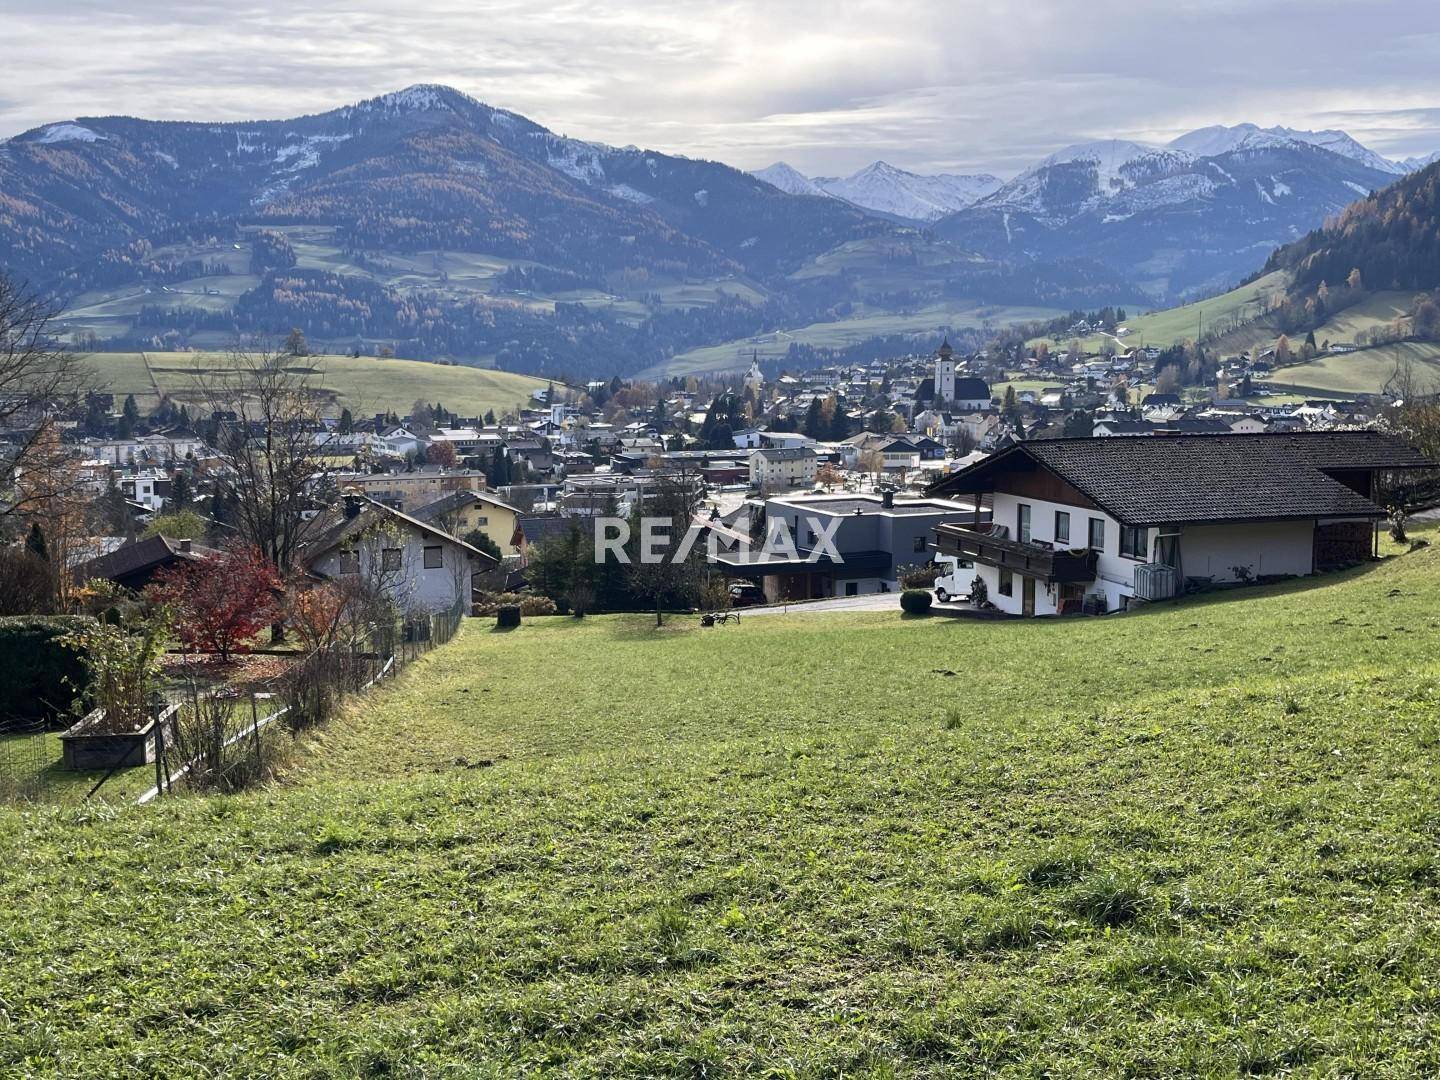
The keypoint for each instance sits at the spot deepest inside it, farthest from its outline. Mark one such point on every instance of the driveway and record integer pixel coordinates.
(869, 602)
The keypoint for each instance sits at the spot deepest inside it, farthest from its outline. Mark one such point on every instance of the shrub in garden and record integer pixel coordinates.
(219, 604)
(40, 670)
(915, 601)
(537, 605)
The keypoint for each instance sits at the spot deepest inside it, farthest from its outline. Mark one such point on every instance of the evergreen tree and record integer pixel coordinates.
(181, 492)
(35, 543)
(129, 418)
(347, 422)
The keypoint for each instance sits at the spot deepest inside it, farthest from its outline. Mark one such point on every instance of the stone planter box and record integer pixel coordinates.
(86, 750)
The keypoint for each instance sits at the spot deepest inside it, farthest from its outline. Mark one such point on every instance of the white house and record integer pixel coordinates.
(416, 565)
(783, 467)
(1096, 523)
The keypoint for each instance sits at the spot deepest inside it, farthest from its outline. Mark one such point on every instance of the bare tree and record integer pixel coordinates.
(38, 378)
(272, 444)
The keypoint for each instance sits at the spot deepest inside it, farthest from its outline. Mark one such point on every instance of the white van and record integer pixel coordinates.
(955, 578)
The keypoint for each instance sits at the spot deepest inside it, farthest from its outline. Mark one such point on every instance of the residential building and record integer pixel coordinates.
(408, 490)
(874, 535)
(462, 512)
(785, 467)
(1100, 522)
(414, 564)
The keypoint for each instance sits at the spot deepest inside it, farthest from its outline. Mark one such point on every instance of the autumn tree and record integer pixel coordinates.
(38, 379)
(220, 604)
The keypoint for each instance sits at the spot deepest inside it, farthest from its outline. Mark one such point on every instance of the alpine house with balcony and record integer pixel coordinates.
(1093, 524)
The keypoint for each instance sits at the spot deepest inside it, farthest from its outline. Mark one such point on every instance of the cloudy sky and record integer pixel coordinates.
(828, 86)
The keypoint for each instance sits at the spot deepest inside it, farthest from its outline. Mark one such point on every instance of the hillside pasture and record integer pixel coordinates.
(363, 384)
(1196, 840)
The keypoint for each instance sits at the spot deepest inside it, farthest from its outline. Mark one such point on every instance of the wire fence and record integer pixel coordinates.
(223, 739)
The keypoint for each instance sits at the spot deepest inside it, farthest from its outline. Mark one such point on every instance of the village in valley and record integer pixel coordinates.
(483, 601)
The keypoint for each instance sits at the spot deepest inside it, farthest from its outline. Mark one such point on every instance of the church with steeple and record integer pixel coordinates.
(948, 390)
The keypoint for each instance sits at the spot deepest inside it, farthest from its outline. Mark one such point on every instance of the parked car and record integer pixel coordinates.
(745, 594)
(954, 581)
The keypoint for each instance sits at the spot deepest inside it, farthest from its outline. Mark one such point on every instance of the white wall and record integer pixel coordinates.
(1280, 547)
(414, 587)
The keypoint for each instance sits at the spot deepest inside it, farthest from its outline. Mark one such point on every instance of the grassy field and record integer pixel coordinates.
(1363, 372)
(736, 355)
(365, 384)
(1164, 328)
(1195, 840)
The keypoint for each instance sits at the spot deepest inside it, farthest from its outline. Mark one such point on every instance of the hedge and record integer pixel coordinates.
(39, 676)
(915, 601)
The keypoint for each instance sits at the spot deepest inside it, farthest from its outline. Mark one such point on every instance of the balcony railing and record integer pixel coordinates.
(990, 545)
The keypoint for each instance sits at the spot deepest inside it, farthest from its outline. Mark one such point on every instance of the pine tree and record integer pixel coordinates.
(347, 422)
(35, 543)
(129, 418)
(181, 492)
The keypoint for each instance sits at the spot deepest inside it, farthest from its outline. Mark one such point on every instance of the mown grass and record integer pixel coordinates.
(1198, 840)
(365, 384)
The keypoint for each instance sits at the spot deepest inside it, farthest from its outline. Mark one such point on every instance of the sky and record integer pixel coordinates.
(939, 85)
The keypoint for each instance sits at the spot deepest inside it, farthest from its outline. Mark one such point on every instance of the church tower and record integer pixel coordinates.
(754, 380)
(945, 374)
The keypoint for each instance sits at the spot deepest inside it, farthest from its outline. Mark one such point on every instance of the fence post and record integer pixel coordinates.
(159, 728)
(255, 730)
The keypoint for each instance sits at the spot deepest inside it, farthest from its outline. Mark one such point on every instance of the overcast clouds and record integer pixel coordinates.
(829, 86)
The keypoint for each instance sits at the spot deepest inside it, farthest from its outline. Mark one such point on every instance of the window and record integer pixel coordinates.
(1007, 583)
(1132, 542)
(349, 562)
(1062, 527)
(1022, 522)
(1097, 533)
(481, 521)
(920, 543)
(434, 557)
(390, 559)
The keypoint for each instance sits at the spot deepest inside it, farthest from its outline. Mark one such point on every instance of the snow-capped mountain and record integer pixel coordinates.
(1415, 164)
(1182, 218)
(884, 189)
(1212, 141)
(419, 169)
(789, 180)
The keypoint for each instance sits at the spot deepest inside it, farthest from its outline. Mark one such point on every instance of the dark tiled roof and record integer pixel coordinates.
(539, 528)
(432, 511)
(129, 559)
(971, 389)
(1195, 478)
(334, 527)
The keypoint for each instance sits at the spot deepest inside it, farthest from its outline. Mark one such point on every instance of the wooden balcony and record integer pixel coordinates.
(988, 544)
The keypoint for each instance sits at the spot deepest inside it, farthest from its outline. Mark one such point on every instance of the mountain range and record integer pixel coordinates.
(1179, 220)
(434, 224)
(884, 189)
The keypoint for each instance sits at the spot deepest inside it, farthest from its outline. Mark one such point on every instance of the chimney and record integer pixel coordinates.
(185, 544)
(887, 498)
(352, 506)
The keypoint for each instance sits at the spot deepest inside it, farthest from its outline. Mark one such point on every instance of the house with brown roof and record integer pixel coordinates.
(1095, 524)
(134, 565)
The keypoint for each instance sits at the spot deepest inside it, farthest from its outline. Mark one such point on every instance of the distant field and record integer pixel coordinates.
(1178, 324)
(364, 384)
(736, 355)
(1364, 372)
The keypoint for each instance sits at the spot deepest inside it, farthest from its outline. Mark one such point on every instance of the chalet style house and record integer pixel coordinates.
(1093, 524)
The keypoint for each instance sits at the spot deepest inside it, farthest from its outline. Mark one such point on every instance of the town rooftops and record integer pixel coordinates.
(133, 564)
(1179, 479)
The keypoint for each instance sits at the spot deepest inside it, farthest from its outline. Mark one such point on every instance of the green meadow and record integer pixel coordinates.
(1195, 840)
